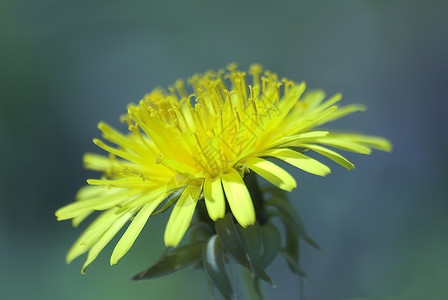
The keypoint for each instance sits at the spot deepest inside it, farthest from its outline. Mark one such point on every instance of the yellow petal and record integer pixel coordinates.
(181, 215)
(143, 199)
(135, 182)
(328, 103)
(334, 156)
(239, 198)
(342, 112)
(121, 153)
(285, 107)
(375, 142)
(87, 192)
(299, 160)
(134, 229)
(314, 98)
(343, 144)
(176, 165)
(91, 236)
(79, 218)
(105, 239)
(312, 134)
(214, 198)
(96, 162)
(310, 121)
(105, 201)
(113, 135)
(80, 247)
(272, 173)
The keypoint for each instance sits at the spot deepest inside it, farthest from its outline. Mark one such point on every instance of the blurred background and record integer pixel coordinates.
(66, 65)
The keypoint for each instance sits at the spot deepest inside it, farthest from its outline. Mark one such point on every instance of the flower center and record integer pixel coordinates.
(214, 127)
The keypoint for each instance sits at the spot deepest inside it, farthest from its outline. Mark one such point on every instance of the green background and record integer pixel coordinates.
(66, 65)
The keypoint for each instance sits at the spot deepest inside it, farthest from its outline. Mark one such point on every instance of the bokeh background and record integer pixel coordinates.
(65, 65)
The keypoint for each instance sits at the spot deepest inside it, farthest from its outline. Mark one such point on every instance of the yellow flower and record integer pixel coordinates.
(200, 146)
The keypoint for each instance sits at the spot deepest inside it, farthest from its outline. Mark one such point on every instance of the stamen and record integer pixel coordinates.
(255, 71)
(181, 88)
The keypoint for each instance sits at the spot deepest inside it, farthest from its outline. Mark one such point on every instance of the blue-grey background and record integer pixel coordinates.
(65, 65)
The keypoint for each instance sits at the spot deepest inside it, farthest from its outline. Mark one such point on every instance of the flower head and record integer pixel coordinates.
(187, 147)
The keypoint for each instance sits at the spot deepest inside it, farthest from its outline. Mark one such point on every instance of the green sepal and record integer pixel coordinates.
(243, 244)
(213, 264)
(291, 251)
(275, 192)
(292, 263)
(229, 237)
(271, 242)
(173, 261)
(200, 231)
(251, 237)
(288, 212)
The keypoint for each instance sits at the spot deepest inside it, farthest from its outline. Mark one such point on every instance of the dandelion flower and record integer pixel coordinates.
(199, 146)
